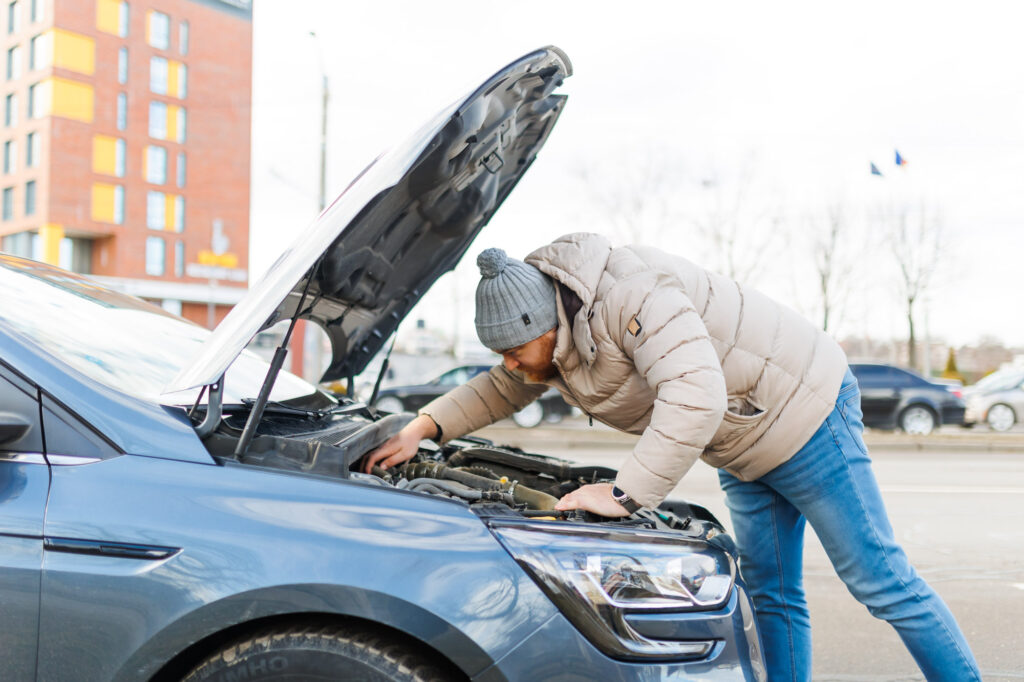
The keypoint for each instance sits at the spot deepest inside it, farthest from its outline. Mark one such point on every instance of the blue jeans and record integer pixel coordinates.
(829, 483)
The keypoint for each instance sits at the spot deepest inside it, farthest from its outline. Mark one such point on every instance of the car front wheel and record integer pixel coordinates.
(321, 653)
(530, 416)
(917, 420)
(1001, 417)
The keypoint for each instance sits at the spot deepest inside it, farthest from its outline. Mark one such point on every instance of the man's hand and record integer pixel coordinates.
(403, 445)
(596, 498)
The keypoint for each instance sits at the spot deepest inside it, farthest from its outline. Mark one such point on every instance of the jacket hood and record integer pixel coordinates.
(577, 261)
(408, 218)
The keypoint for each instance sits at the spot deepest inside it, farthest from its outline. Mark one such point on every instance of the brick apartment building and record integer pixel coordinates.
(125, 144)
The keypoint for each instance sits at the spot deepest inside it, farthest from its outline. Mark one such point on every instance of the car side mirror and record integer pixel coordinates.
(12, 428)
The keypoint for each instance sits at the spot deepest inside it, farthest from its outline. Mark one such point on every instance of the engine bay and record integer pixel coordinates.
(495, 481)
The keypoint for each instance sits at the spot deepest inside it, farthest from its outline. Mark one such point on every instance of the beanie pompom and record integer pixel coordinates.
(491, 263)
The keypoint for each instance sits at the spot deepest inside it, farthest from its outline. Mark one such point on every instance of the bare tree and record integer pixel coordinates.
(834, 257)
(636, 196)
(740, 227)
(918, 247)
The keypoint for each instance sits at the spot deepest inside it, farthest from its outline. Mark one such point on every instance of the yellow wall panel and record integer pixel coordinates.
(74, 52)
(169, 212)
(103, 202)
(104, 154)
(50, 235)
(172, 122)
(172, 78)
(108, 16)
(72, 99)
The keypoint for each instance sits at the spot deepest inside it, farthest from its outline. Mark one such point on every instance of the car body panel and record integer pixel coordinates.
(255, 543)
(127, 546)
(736, 655)
(406, 220)
(886, 391)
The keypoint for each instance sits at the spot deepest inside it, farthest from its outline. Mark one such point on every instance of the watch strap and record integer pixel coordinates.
(625, 500)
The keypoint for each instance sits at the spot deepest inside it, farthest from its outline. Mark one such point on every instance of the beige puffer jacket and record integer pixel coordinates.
(694, 362)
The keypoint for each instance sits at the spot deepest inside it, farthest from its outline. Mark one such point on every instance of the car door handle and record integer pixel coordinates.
(122, 550)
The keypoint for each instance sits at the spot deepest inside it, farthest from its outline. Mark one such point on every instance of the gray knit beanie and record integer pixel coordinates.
(515, 302)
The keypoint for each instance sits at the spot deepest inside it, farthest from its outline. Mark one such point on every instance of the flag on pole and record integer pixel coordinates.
(874, 170)
(900, 161)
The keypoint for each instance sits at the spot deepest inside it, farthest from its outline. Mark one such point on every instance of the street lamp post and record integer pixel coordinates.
(299, 336)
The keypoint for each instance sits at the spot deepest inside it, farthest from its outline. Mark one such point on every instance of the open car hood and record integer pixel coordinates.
(403, 222)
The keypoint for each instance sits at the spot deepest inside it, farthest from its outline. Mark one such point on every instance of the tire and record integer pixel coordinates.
(917, 420)
(321, 654)
(530, 416)
(390, 403)
(1001, 417)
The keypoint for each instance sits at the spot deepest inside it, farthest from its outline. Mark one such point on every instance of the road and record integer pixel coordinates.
(958, 514)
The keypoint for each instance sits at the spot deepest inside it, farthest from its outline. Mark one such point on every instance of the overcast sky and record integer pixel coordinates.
(801, 97)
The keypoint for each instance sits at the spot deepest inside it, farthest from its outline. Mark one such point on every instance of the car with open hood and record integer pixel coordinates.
(173, 507)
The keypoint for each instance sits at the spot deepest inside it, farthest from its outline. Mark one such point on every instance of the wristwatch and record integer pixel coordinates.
(625, 500)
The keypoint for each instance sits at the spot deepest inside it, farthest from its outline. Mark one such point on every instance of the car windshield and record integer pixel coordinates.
(1000, 381)
(118, 340)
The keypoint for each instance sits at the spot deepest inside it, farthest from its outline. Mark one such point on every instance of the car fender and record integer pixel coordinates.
(298, 601)
(420, 563)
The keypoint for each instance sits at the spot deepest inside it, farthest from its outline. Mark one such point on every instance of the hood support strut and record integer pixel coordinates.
(275, 368)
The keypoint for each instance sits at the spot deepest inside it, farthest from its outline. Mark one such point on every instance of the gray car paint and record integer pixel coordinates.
(238, 543)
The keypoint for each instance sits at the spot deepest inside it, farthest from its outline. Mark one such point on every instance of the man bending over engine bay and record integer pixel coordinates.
(700, 366)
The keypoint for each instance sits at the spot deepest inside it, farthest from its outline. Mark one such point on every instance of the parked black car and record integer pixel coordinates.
(893, 397)
(550, 407)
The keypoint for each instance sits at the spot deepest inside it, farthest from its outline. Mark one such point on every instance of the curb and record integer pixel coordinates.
(578, 437)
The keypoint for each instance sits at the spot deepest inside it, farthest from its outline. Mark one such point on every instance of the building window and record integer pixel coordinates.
(158, 75)
(155, 256)
(13, 17)
(156, 210)
(10, 156)
(183, 37)
(159, 35)
(180, 170)
(11, 110)
(122, 19)
(39, 51)
(33, 97)
(13, 62)
(158, 120)
(179, 258)
(122, 65)
(32, 150)
(156, 165)
(179, 133)
(8, 203)
(36, 10)
(182, 81)
(30, 197)
(179, 214)
(118, 205)
(122, 111)
(119, 158)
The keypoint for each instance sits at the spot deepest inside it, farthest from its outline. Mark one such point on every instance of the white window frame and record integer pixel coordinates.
(158, 75)
(156, 220)
(156, 248)
(156, 164)
(159, 30)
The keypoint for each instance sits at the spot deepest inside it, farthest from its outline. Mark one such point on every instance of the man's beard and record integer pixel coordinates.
(547, 351)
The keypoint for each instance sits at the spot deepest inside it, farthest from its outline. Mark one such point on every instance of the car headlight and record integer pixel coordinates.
(597, 577)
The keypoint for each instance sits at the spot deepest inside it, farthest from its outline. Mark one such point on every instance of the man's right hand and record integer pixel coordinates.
(403, 445)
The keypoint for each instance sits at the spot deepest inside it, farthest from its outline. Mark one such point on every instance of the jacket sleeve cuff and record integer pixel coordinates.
(644, 486)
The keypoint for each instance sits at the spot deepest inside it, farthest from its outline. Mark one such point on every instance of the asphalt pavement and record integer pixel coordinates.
(956, 502)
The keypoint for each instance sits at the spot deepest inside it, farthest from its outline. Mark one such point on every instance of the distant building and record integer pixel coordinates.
(125, 144)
